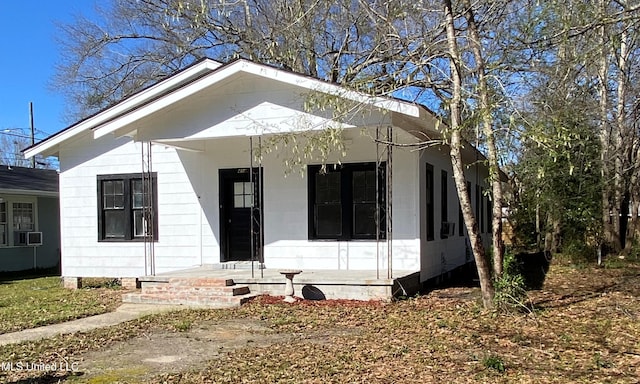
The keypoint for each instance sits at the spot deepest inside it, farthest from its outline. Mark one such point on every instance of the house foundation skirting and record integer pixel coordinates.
(314, 286)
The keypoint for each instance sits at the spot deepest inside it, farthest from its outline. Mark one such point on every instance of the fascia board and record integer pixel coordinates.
(258, 70)
(166, 101)
(120, 108)
(312, 84)
(27, 192)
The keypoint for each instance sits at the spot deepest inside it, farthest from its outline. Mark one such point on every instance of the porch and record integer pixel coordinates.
(232, 284)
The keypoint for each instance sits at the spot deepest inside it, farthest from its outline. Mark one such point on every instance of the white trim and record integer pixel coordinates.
(9, 201)
(172, 144)
(136, 107)
(134, 115)
(123, 107)
(23, 192)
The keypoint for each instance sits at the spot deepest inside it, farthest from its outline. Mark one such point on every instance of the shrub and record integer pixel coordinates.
(510, 288)
(579, 253)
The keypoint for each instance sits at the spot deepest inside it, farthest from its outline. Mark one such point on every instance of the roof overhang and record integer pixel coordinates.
(124, 125)
(26, 192)
(120, 119)
(49, 146)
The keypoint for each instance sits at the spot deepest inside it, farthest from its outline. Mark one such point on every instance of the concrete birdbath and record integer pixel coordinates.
(288, 288)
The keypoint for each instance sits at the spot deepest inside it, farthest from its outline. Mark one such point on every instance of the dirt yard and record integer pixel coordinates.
(584, 327)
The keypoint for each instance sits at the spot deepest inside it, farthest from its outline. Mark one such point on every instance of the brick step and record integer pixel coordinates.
(168, 288)
(207, 301)
(200, 282)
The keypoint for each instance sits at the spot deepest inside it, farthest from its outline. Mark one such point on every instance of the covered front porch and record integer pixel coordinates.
(233, 283)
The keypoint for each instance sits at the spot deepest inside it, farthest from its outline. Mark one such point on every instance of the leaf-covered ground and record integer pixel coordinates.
(33, 302)
(585, 328)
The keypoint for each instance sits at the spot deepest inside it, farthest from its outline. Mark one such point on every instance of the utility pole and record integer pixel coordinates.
(33, 141)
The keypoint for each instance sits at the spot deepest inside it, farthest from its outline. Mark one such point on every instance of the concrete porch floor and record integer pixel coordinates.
(309, 284)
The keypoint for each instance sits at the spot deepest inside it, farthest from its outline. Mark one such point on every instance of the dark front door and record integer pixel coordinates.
(239, 204)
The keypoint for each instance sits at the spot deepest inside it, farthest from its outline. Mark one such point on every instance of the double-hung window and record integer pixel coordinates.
(23, 222)
(17, 219)
(429, 190)
(342, 201)
(127, 207)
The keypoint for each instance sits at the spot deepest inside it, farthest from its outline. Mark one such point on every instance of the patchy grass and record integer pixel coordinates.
(585, 327)
(34, 302)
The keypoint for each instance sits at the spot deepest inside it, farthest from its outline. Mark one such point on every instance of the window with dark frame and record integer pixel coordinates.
(126, 206)
(23, 221)
(481, 216)
(342, 201)
(478, 195)
(444, 203)
(4, 240)
(429, 202)
(489, 215)
(460, 221)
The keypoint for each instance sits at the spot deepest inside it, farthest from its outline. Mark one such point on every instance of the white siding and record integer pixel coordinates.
(217, 121)
(188, 208)
(179, 230)
(439, 256)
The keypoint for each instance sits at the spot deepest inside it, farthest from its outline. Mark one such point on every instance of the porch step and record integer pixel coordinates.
(201, 292)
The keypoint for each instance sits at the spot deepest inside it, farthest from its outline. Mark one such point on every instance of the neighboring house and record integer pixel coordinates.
(28, 206)
(160, 181)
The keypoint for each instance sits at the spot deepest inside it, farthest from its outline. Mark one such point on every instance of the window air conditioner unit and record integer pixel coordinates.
(34, 238)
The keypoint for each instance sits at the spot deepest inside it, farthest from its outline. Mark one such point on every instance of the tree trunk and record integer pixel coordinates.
(603, 67)
(487, 128)
(484, 271)
(619, 214)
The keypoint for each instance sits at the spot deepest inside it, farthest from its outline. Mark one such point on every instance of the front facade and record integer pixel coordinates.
(178, 176)
(29, 219)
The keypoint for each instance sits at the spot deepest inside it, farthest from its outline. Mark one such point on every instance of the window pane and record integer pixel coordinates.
(114, 224)
(3, 234)
(329, 220)
(118, 201)
(238, 188)
(364, 186)
(107, 187)
(3, 212)
(364, 219)
(138, 200)
(139, 224)
(238, 201)
(247, 201)
(23, 219)
(328, 187)
(136, 186)
(118, 187)
(113, 194)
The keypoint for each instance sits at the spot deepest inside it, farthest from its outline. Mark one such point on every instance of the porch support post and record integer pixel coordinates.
(253, 200)
(261, 233)
(389, 202)
(148, 208)
(378, 202)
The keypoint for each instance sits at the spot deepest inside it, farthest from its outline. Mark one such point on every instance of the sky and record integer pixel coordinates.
(28, 55)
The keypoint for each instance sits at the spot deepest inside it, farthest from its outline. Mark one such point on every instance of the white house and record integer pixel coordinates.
(160, 181)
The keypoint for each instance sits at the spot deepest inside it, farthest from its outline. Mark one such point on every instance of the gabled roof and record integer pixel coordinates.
(19, 180)
(197, 77)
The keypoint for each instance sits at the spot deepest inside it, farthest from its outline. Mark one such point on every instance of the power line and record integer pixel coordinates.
(18, 135)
